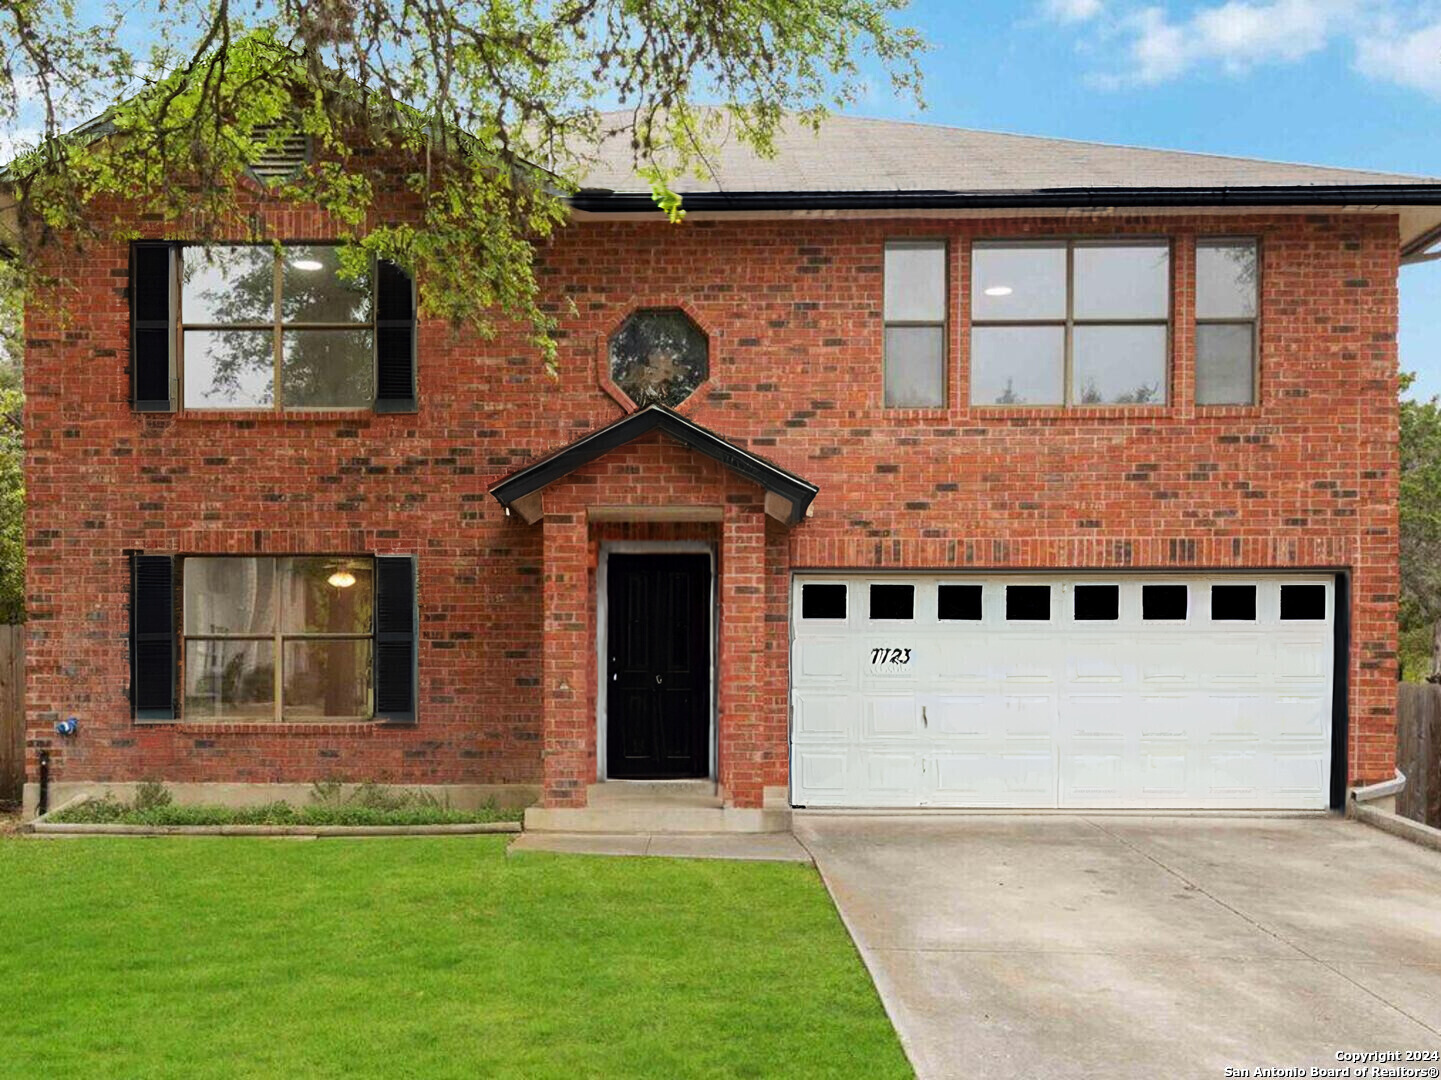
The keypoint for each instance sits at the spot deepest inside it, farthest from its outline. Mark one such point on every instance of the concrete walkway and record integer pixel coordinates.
(765, 847)
(1114, 946)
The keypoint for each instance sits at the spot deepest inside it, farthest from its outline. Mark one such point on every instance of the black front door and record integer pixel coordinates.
(658, 677)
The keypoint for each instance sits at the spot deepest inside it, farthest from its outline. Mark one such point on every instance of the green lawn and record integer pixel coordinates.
(421, 957)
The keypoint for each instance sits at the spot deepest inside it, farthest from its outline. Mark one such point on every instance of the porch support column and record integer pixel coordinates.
(567, 726)
(742, 707)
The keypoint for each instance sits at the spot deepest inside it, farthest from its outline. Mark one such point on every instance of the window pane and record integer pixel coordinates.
(823, 601)
(227, 285)
(1303, 602)
(229, 369)
(311, 290)
(1233, 603)
(659, 354)
(229, 595)
(1163, 601)
(915, 366)
(1028, 603)
(229, 680)
(1017, 365)
(1226, 275)
(1225, 364)
(1119, 365)
(893, 601)
(1018, 281)
(915, 281)
(1097, 603)
(328, 368)
(325, 595)
(1122, 281)
(326, 679)
(958, 603)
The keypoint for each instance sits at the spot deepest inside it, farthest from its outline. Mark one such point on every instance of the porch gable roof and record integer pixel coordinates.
(788, 496)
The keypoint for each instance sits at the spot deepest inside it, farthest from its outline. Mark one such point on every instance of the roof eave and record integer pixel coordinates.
(1320, 195)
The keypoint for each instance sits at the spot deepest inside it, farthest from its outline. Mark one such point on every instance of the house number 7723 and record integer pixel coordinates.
(890, 656)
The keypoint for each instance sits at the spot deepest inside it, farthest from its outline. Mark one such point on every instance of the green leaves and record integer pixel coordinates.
(486, 112)
(1420, 489)
(12, 507)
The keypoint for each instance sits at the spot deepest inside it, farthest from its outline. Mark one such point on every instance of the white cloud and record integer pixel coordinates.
(1072, 11)
(1410, 58)
(1146, 42)
(1236, 36)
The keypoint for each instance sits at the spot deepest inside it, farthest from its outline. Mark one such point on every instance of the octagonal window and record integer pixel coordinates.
(659, 354)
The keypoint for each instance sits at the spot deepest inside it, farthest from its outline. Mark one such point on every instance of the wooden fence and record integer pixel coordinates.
(12, 711)
(1418, 751)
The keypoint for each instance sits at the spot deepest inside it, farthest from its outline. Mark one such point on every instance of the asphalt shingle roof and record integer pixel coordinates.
(853, 154)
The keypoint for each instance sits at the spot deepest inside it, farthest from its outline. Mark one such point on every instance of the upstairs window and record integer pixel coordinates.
(1227, 272)
(1077, 322)
(659, 355)
(915, 318)
(262, 329)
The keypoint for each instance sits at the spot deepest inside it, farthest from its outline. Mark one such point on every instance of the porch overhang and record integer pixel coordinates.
(787, 496)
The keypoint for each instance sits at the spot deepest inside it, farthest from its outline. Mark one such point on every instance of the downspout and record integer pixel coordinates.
(43, 805)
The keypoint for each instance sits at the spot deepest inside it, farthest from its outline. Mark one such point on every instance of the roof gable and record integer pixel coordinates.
(788, 496)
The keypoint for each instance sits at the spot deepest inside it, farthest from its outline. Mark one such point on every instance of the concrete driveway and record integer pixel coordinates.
(1117, 946)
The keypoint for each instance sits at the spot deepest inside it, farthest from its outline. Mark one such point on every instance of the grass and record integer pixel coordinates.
(220, 957)
(110, 812)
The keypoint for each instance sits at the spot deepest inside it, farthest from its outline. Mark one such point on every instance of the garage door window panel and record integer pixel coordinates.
(1233, 603)
(823, 601)
(1164, 603)
(1097, 603)
(1028, 603)
(892, 602)
(959, 603)
(1072, 323)
(1303, 603)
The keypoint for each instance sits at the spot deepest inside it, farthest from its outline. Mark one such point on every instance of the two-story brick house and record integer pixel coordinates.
(967, 470)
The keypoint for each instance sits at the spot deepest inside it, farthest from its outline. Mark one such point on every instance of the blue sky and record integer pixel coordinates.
(1330, 82)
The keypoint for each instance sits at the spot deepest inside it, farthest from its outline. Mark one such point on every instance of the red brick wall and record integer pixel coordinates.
(1307, 478)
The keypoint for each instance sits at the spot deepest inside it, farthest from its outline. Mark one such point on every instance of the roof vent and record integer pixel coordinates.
(282, 161)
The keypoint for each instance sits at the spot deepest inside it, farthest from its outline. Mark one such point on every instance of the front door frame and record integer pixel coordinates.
(602, 632)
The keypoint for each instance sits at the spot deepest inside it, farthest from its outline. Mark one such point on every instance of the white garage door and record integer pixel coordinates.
(1062, 691)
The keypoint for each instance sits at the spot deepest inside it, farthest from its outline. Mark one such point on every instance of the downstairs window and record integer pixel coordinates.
(272, 639)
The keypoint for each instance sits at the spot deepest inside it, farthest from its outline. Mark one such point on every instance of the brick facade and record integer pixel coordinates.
(1307, 478)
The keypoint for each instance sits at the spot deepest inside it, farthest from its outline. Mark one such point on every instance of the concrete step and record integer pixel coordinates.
(764, 847)
(655, 817)
(697, 793)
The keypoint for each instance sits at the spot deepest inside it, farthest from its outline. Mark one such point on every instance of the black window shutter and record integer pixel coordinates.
(152, 326)
(395, 639)
(152, 637)
(394, 339)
